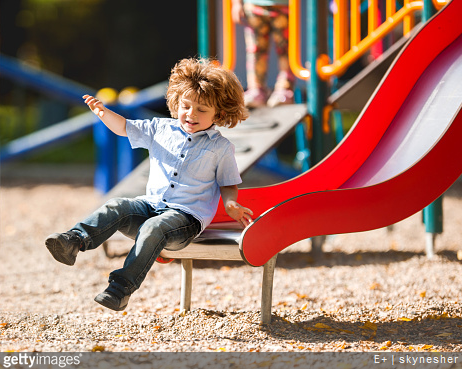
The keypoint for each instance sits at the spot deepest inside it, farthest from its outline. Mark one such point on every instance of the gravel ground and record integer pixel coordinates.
(370, 291)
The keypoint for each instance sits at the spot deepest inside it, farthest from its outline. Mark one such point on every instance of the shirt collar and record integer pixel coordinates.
(211, 132)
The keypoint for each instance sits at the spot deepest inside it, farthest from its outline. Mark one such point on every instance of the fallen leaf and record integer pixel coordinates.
(322, 326)
(427, 347)
(98, 348)
(369, 325)
(438, 317)
(264, 364)
(423, 293)
(444, 334)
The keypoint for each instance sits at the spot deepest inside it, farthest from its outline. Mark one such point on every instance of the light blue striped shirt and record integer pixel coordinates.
(186, 170)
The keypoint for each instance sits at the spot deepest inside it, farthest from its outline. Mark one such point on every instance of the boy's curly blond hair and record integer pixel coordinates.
(211, 85)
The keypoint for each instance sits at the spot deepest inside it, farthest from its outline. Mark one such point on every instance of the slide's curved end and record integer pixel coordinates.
(412, 160)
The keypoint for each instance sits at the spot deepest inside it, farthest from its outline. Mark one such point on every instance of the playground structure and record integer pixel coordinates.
(405, 164)
(396, 160)
(321, 108)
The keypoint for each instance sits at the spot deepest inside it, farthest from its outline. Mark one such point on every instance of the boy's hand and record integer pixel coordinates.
(94, 104)
(239, 213)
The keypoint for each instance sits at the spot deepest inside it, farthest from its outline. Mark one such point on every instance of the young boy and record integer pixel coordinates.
(191, 164)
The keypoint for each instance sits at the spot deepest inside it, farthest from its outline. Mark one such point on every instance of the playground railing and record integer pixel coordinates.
(348, 46)
(109, 146)
(349, 49)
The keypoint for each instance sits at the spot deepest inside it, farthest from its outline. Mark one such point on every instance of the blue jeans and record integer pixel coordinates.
(152, 229)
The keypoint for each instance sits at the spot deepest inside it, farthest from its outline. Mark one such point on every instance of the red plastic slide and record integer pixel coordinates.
(402, 153)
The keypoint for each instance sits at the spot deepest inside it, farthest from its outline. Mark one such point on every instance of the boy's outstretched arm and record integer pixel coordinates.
(113, 121)
(233, 209)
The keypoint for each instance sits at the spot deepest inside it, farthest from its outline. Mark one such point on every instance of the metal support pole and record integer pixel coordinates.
(106, 161)
(267, 290)
(301, 139)
(203, 28)
(317, 89)
(433, 213)
(433, 219)
(186, 284)
(428, 10)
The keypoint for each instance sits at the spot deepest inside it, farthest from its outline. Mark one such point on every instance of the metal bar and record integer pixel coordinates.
(317, 90)
(355, 19)
(372, 17)
(154, 96)
(433, 213)
(267, 290)
(229, 37)
(47, 83)
(186, 284)
(409, 21)
(340, 29)
(203, 28)
(391, 8)
(295, 41)
(48, 136)
(339, 66)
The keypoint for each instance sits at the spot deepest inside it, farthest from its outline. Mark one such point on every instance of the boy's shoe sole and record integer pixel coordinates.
(60, 249)
(112, 302)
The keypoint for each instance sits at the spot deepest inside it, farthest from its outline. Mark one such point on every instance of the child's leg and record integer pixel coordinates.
(257, 42)
(125, 215)
(119, 214)
(285, 81)
(171, 229)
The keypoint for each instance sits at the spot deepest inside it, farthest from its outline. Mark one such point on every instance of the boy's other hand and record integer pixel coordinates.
(239, 213)
(94, 104)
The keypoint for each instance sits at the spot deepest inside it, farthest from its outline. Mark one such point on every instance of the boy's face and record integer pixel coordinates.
(195, 117)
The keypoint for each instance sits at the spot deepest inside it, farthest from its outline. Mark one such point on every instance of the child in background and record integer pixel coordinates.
(261, 19)
(191, 164)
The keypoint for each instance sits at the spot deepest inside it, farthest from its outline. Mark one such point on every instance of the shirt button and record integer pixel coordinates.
(164, 200)
(189, 139)
(175, 174)
(182, 156)
(172, 185)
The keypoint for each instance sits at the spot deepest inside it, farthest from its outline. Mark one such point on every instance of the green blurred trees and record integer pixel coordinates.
(98, 43)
